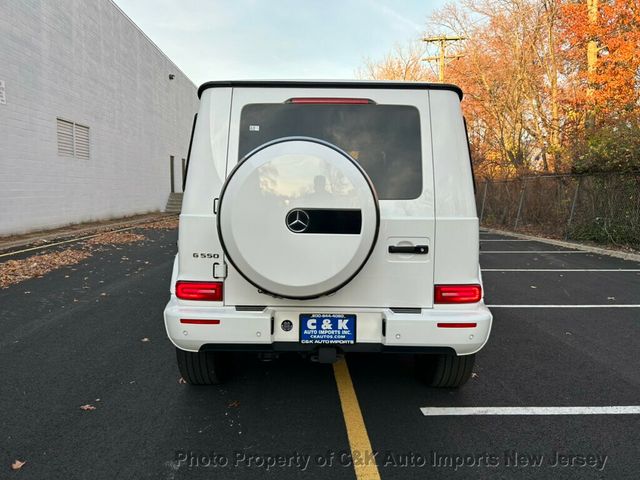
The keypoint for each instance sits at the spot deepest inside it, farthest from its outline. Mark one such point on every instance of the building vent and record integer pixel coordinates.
(65, 138)
(81, 141)
(73, 139)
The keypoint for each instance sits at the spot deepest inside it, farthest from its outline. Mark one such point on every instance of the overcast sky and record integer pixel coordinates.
(266, 39)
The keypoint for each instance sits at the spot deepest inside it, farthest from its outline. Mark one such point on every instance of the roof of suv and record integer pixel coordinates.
(330, 84)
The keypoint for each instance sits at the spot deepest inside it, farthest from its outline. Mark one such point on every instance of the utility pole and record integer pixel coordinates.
(442, 57)
(592, 61)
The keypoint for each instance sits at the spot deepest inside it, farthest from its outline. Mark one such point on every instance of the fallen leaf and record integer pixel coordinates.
(16, 271)
(182, 381)
(234, 403)
(164, 224)
(116, 238)
(87, 407)
(17, 465)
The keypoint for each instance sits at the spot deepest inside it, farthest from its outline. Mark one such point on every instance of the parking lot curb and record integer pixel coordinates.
(562, 243)
(44, 237)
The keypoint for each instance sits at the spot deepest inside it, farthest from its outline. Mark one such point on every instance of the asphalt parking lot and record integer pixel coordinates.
(565, 334)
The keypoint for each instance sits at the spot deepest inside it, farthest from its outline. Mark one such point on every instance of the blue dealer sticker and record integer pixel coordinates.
(328, 328)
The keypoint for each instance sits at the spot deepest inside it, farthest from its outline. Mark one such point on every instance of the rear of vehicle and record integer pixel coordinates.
(328, 218)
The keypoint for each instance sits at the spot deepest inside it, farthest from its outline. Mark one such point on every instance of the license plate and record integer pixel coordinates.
(328, 328)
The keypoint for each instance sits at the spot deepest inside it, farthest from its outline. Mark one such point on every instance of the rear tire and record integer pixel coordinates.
(204, 368)
(445, 370)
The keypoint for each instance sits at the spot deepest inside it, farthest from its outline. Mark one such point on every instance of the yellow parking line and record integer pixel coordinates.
(361, 452)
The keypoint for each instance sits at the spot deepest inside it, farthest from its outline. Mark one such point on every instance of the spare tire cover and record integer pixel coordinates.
(298, 218)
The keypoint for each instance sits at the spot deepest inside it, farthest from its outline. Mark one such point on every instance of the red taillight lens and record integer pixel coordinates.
(457, 294)
(198, 321)
(211, 291)
(457, 325)
(330, 101)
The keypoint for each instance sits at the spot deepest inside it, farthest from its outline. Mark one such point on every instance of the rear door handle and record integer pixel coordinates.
(415, 249)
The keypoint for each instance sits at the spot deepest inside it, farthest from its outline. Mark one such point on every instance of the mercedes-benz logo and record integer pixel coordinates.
(297, 220)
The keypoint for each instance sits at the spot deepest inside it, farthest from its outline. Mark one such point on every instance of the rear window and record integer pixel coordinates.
(383, 139)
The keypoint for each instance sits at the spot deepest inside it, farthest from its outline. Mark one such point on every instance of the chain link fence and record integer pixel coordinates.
(603, 208)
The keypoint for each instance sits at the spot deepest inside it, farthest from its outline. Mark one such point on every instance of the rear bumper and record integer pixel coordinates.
(377, 329)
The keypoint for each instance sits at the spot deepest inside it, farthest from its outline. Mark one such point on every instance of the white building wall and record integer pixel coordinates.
(85, 61)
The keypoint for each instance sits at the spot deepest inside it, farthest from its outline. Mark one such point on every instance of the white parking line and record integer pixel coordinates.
(617, 410)
(561, 269)
(613, 305)
(533, 251)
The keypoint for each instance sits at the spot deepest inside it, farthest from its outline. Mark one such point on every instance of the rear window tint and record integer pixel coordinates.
(383, 139)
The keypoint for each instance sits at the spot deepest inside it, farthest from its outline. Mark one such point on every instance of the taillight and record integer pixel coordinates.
(457, 294)
(457, 325)
(211, 291)
(198, 321)
(330, 101)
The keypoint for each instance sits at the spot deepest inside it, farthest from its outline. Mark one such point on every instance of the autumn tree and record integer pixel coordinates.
(403, 63)
(505, 63)
(616, 34)
(534, 72)
(605, 95)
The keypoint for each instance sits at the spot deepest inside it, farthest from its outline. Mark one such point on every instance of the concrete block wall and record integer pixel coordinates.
(85, 61)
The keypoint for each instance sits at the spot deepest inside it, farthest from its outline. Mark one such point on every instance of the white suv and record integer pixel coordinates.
(325, 218)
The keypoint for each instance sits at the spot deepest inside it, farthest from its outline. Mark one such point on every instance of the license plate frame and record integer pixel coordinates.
(338, 335)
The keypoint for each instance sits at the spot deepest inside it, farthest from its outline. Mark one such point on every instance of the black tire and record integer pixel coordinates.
(445, 370)
(204, 368)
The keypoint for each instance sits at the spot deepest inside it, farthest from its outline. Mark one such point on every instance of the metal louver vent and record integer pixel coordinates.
(73, 139)
(81, 141)
(65, 138)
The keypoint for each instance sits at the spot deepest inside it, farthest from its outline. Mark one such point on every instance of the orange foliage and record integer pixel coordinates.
(617, 34)
(524, 73)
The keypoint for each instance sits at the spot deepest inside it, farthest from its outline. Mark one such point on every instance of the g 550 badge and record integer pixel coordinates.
(205, 255)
